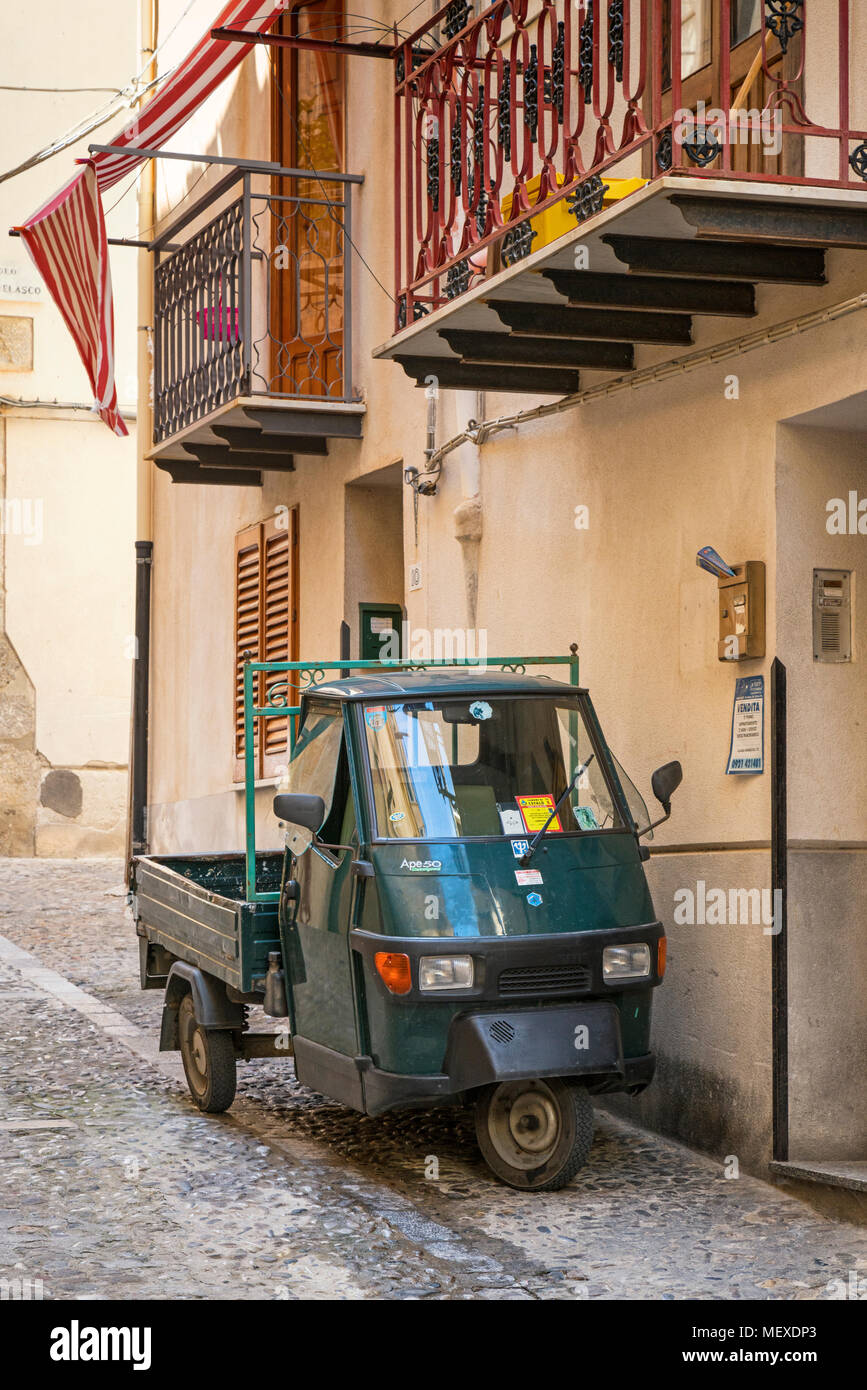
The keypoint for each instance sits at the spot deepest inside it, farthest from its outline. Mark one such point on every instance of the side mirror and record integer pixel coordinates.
(665, 782)
(304, 814)
(297, 808)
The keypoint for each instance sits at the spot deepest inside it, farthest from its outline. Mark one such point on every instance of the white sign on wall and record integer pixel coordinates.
(20, 282)
(414, 577)
(747, 748)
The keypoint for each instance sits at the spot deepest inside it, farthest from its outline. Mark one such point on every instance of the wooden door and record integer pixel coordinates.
(702, 45)
(309, 133)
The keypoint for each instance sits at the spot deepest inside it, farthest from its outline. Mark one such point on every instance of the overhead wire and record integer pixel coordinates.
(127, 96)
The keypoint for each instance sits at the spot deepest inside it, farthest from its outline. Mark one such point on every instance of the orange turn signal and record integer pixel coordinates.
(660, 956)
(394, 970)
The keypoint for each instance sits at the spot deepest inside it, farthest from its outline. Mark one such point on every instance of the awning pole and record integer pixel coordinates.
(356, 50)
(255, 166)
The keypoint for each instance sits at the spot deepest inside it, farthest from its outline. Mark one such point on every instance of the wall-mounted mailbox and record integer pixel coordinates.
(742, 612)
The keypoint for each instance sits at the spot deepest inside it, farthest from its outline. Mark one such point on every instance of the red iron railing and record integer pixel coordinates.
(502, 115)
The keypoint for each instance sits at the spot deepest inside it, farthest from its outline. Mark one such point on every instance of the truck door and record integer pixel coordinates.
(317, 934)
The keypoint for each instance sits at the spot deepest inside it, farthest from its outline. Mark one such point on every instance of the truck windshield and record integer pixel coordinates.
(484, 766)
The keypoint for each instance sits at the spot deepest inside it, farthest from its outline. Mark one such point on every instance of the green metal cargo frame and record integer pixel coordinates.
(309, 675)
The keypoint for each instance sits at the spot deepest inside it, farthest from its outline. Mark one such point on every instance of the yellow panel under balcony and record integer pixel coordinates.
(557, 220)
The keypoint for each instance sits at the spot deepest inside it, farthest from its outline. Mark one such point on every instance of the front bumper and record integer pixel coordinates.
(538, 1007)
(580, 1041)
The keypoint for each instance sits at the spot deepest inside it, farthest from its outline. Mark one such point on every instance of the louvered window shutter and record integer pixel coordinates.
(266, 629)
(279, 552)
(248, 632)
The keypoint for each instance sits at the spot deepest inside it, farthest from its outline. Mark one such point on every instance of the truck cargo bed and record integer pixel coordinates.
(193, 905)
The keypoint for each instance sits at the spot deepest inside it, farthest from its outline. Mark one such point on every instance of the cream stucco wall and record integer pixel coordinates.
(663, 471)
(827, 717)
(69, 593)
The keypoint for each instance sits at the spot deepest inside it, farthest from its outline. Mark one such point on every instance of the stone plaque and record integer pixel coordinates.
(16, 344)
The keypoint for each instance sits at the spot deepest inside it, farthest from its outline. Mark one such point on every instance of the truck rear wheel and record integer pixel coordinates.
(535, 1135)
(209, 1060)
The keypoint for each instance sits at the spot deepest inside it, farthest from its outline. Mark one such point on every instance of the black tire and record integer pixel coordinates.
(209, 1061)
(535, 1135)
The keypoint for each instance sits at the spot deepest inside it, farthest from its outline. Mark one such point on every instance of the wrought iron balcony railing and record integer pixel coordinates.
(533, 106)
(254, 299)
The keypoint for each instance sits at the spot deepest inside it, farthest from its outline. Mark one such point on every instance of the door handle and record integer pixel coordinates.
(290, 898)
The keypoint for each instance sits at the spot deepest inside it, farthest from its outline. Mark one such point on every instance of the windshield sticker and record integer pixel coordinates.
(480, 709)
(586, 817)
(397, 815)
(536, 810)
(534, 899)
(527, 876)
(511, 820)
(374, 717)
(520, 848)
(422, 866)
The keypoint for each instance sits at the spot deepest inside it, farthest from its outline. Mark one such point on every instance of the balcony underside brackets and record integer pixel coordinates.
(519, 350)
(652, 255)
(811, 223)
(617, 325)
(454, 374)
(588, 289)
(189, 471)
(237, 446)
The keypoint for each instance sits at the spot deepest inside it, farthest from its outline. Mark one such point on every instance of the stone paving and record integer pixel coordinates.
(113, 1184)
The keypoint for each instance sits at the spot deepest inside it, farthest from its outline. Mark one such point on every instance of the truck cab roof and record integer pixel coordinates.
(448, 681)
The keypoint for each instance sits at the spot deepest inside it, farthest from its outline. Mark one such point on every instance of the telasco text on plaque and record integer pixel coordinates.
(15, 285)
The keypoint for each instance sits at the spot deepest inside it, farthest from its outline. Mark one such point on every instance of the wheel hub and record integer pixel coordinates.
(524, 1123)
(533, 1122)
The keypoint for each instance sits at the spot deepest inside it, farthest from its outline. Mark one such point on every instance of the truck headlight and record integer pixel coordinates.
(626, 962)
(445, 972)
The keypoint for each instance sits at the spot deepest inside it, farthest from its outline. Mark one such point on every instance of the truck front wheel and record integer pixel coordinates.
(209, 1060)
(535, 1135)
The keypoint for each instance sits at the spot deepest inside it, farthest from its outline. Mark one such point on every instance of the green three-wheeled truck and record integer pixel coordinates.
(460, 913)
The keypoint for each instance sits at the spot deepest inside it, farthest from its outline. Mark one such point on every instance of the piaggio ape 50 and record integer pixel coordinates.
(460, 913)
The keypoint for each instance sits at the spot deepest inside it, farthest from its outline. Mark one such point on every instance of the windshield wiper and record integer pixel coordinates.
(531, 849)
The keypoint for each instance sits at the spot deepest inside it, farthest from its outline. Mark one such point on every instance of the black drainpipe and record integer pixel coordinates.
(779, 941)
(140, 697)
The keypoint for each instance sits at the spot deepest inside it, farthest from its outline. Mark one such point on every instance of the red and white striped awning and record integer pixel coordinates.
(67, 238)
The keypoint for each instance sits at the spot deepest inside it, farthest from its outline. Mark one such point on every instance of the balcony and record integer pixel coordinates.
(575, 187)
(252, 327)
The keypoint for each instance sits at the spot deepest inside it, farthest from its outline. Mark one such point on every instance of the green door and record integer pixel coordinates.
(316, 938)
(379, 625)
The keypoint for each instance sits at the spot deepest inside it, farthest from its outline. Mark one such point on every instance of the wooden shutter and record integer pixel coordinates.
(266, 629)
(248, 630)
(279, 623)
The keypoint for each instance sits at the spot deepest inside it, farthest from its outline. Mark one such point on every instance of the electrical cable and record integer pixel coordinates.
(62, 91)
(127, 97)
(646, 376)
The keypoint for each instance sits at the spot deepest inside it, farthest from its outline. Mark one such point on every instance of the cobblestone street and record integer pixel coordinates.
(115, 1186)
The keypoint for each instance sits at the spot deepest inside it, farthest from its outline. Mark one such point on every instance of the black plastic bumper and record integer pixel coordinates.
(579, 1040)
